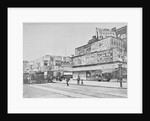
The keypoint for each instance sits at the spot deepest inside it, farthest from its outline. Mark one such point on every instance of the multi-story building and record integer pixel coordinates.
(49, 62)
(29, 67)
(25, 63)
(101, 55)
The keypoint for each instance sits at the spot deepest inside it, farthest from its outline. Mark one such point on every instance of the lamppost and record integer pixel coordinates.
(120, 74)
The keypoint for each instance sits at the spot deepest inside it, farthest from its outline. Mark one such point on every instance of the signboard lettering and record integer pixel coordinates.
(105, 56)
(103, 33)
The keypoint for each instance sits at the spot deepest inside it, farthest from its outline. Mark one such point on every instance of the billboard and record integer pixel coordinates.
(101, 45)
(94, 47)
(122, 33)
(90, 58)
(105, 56)
(118, 43)
(88, 50)
(80, 51)
(85, 59)
(104, 33)
(119, 55)
(77, 61)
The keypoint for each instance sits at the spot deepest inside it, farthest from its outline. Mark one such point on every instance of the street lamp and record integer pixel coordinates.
(120, 74)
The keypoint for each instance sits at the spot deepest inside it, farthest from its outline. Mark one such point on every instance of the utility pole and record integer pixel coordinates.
(120, 74)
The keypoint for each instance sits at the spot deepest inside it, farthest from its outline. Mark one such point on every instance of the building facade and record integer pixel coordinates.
(25, 65)
(100, 56)
(48, 63)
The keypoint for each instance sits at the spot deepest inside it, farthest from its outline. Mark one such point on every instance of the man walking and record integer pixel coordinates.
(78, 79)
(67, 81)
(82, 81)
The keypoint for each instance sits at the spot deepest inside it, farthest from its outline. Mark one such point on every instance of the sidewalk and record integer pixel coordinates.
(96, 83)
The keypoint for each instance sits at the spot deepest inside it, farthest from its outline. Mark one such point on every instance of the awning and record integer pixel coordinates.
(110, 70)
(97, 67)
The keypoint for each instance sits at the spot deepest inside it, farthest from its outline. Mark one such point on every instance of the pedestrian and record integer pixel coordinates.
(67, 81)
(78, 80)
(82, 81)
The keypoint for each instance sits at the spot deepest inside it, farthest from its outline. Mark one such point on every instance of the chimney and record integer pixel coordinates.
(94, 37)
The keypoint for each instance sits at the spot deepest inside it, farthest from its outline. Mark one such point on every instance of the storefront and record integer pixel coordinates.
(91, 72)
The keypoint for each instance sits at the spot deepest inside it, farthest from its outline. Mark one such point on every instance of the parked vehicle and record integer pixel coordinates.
(38, 78)
(106, 77)
(49, 76)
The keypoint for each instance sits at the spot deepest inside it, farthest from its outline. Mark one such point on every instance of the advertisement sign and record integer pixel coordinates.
(91, 58)
(83, 60)
(80, 51)
(87, 59)
(77, 61)
(94, 47)
(119, 55)
(88, 50)
(83, 50)
(118, 43)
(103, 33)
(105, 56)
(115, 54)
(103, 44)
(122, 33)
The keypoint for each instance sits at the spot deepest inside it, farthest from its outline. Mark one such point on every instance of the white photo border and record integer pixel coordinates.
(16, 102)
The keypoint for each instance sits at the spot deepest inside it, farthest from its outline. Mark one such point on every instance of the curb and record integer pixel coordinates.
(94, 85)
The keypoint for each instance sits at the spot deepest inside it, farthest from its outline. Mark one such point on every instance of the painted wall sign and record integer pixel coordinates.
(122, 33)
(105, 56)
(77, 61)
(104, 33)
(119, 55)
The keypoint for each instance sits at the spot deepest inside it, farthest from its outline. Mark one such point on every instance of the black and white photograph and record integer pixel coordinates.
(75, 60)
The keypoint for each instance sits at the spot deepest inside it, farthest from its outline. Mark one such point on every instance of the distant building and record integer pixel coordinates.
(25, 69)
(49, 63)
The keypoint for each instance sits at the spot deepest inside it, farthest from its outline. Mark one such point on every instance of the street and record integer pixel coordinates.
(61, 90)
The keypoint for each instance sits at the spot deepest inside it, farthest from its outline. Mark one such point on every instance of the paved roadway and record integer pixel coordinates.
(61, 90)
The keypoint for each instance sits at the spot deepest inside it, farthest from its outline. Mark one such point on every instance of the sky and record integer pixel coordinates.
(60, 39)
